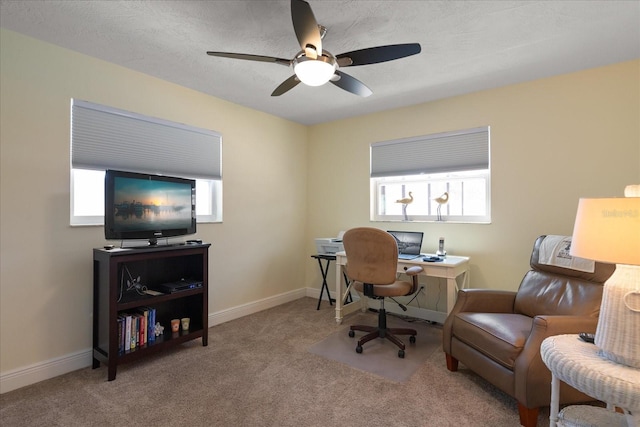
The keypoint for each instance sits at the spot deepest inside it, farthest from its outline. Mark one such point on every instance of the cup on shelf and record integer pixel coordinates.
(175, 325)
(185, 323)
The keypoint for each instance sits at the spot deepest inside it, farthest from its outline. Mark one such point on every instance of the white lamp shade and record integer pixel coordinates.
(314, 72)
(608, 230)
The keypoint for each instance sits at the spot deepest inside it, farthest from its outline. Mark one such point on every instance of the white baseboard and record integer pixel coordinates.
(41, 371)
(51, 368)
(255, 306)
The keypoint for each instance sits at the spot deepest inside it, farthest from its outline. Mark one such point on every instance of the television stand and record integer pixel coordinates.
(113, 303)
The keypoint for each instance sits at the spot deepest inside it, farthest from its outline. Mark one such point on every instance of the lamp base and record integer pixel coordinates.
(618, 331)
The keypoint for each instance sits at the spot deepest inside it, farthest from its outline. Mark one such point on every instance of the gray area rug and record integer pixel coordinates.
(380, 356)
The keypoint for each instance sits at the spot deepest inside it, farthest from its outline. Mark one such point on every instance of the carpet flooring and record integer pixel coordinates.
(258, 371)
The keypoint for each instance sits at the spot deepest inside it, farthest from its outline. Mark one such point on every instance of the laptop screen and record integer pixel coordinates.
(409, 242)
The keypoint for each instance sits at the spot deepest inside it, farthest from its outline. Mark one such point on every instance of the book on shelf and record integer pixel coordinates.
(121, 324)
(127, 329)
(136, 332)
(151, 330)
(144, 327)
(135, 338)
(136, 328)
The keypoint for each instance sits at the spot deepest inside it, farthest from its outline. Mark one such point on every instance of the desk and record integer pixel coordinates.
(578, 364)
(450, 268)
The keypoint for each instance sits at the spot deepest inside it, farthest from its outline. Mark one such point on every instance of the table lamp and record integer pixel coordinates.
(608, 230)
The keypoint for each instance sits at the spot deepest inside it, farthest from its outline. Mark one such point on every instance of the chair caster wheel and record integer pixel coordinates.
(359, 349)
(412, 339)
(401, 354)
(352, 334)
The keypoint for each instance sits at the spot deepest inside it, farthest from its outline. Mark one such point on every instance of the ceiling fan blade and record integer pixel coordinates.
(248, 57)
(306, 28)
(286, 85)
(351, 84)
(377, 54)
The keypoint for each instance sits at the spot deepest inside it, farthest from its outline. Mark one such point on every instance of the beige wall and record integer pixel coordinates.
(553, 141)
(46, 265)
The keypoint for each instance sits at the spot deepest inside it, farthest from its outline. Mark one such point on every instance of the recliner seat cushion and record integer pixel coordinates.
(499, 336)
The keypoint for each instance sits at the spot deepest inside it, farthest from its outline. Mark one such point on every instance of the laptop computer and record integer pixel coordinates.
(409, 243)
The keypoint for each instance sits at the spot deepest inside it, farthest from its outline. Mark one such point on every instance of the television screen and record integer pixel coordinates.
(146, 206)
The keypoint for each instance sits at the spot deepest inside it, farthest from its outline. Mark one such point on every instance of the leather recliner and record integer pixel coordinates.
(497, 334)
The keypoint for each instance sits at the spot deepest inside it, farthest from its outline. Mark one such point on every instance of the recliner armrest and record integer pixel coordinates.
(484, 301)
(477, 301)
(530, 371)
(548, 325)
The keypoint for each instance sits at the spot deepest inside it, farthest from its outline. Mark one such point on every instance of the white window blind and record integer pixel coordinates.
(108, 138)
(437, 153)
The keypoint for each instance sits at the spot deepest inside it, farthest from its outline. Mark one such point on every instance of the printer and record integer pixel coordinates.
(329, 245)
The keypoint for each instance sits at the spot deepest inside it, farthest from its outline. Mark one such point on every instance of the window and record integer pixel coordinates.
(87, 198)
(423, 169)
(107, 138)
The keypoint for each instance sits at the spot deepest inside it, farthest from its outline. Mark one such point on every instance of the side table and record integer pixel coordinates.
(578, 364)
(324, 270)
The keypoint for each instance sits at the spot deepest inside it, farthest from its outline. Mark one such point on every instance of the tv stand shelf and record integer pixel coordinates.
(154, 265)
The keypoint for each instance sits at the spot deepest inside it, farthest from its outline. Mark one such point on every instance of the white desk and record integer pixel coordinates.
(578, 364)
(450, 268)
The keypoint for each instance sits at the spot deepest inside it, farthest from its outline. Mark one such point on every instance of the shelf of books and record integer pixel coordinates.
(133, 317)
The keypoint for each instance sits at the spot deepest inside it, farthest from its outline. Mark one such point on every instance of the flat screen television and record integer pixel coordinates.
(147, 206)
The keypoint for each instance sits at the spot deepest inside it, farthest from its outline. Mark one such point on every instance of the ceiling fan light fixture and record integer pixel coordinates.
(315, 66)
(314, 72)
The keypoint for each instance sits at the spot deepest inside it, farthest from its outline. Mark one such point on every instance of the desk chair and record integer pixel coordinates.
(372, 262)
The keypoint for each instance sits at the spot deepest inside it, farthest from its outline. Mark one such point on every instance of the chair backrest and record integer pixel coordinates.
(550, 289)
(372, 255)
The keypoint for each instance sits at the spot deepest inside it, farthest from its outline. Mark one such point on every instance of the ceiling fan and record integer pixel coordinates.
(315, 66)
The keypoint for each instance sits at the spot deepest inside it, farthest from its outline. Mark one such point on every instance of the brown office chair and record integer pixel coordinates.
(497, 334)
(372, 262)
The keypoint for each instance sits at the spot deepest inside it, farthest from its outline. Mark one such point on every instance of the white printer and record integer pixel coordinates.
(329, 245)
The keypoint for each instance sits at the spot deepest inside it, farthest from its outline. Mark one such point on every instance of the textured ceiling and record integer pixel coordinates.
(466, 45)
